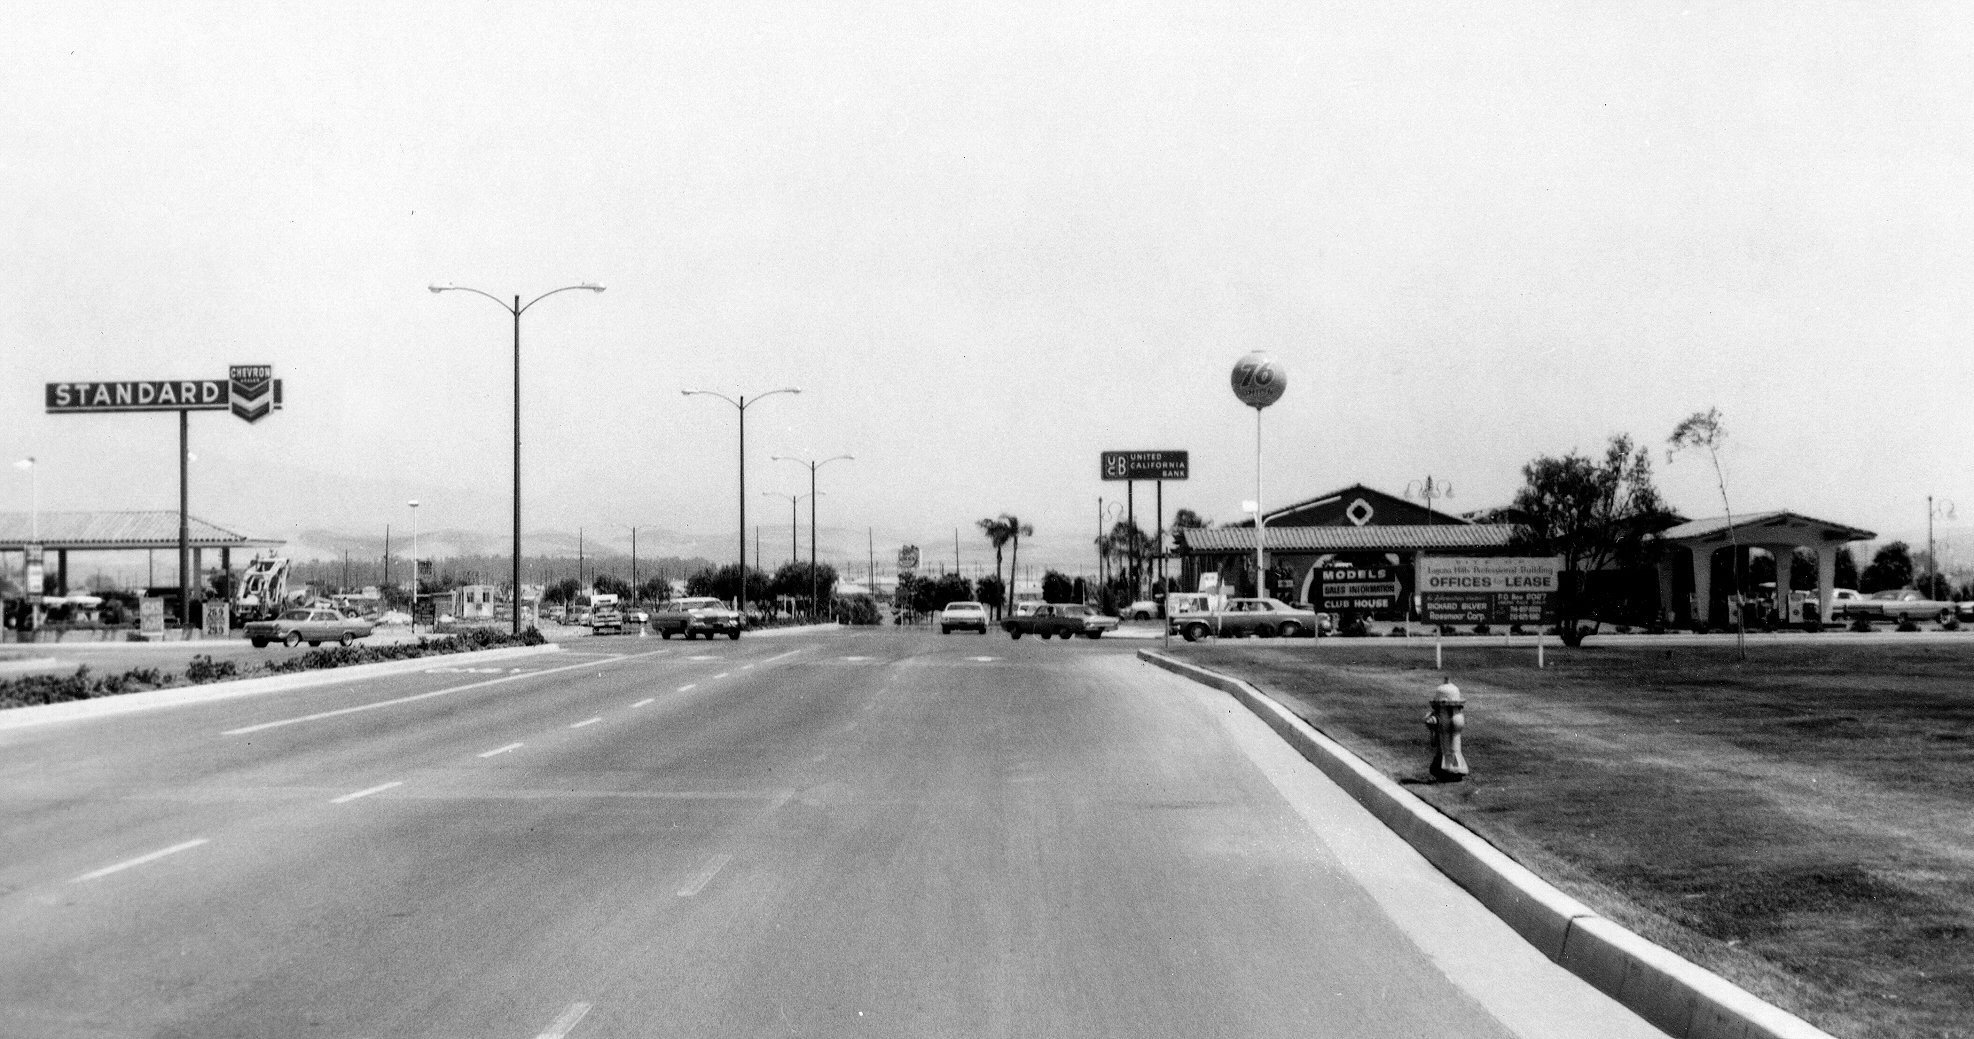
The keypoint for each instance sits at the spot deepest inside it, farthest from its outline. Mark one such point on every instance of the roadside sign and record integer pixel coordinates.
(1259, 380)
(1489, 589)
(150, 616)
(249, 391)
(216, 618)
(908, 559)
(1145, 465)
(1372, 588)
(33, 578)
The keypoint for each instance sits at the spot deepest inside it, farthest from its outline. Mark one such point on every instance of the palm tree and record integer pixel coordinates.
(998, 533)
(1016, 531)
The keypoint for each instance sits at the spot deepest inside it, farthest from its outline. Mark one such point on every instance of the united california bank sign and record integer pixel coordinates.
(249, 391)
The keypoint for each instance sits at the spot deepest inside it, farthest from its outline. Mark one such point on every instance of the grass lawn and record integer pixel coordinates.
(1802, 823)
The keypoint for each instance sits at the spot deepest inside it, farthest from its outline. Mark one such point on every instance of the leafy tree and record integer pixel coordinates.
(1594, 514)
(998, 534)
(1703, 430)
(610, 584)
(1057, 587)
(1847, 576)
(991, 592)
(724, 583)
(1187, 519)
(1016, 531)
(936, 593)
(656, 589)
(1891, 567)
(796, 581)
(563, 591)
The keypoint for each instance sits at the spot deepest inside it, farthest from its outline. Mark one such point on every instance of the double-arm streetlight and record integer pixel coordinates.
(815, 585)
(517, 310)
(740, 404)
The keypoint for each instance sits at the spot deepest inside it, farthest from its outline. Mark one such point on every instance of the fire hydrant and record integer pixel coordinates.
(1445, 722)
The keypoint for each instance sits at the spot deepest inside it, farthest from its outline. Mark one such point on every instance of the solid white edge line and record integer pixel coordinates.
(500, 750)
(644, 701)
(588, 721)
(378, 789)
(569, 1019)
(243, 730)
(139, 860)
(713, 867)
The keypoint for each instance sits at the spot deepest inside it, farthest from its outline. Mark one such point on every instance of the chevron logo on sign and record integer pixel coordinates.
(254, 390)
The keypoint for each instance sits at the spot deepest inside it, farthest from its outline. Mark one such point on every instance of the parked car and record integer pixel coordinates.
(1144, 610)
(963, 615)
(696, 617)
(1841, 600)
(1900, 604)
(1238, 618)
(311, 624)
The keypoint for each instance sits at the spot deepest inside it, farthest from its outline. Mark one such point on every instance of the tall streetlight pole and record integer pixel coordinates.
(815, 586)
(517, 310)
(34, 536)
(740, 404)
(414, 566)
(792, 499)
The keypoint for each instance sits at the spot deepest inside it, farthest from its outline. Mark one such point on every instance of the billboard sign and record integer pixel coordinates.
(907, 559)
(1145, 465)
(1372, 588)
(250, 391)
(1490, 589)
(150, 617)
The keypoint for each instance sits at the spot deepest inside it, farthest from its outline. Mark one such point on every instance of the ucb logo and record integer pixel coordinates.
(254, 390)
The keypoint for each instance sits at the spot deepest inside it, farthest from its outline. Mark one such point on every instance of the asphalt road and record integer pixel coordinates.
(874, 833)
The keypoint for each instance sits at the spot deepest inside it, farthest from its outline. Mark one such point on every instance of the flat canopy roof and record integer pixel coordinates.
(1367, 538)
(116, 532)
(1757, 524)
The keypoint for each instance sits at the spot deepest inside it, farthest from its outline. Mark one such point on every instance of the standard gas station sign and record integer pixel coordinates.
(1490, 589)
(1145, 465)
(249, 391)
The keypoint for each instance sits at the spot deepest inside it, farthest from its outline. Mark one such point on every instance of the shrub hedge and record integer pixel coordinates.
(32, 690)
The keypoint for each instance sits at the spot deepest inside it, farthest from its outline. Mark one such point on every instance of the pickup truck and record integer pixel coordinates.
(1237, 618)
(1059, 620)
(604, 615)
(694, 617)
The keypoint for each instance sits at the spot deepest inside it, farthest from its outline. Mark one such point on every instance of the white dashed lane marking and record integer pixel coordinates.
(139, 860)
(984, 660)
(722, 674)
(705, 876)
(570, 1018)
(687, 686)
(642, 702)
(500, 750)
(586, 721)
(378, 789)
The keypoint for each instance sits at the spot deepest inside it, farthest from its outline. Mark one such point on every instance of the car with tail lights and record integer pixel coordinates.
(697, 617)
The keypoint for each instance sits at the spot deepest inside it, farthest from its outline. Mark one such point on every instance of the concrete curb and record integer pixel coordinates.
(1676, 995)
(131, 703)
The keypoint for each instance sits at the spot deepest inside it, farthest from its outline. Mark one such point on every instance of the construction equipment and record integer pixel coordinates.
(263, 589)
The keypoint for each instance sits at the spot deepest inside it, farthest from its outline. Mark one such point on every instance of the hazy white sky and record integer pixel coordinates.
(986, 244)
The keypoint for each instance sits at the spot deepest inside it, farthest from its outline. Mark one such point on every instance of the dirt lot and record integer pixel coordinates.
(1802, 823)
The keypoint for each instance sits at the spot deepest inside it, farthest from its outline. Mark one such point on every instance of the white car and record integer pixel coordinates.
(1143, 610)
(963, 615)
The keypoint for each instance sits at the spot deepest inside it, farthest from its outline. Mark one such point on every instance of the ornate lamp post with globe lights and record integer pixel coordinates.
(1258, 382)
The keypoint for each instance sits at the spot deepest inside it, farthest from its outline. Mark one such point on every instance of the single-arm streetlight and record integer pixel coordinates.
(740, 404)
(815, 586)
(517, 310)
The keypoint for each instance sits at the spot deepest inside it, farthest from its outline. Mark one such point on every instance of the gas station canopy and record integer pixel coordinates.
(116, 531)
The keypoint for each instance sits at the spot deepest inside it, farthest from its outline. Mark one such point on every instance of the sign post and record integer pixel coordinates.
(1131, 466)
(1491, 590)
(249, 391)
(1259, 380)
(907, 563)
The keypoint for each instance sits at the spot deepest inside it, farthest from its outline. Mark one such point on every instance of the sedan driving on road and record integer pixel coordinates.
(971, 615)
(311, 624)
